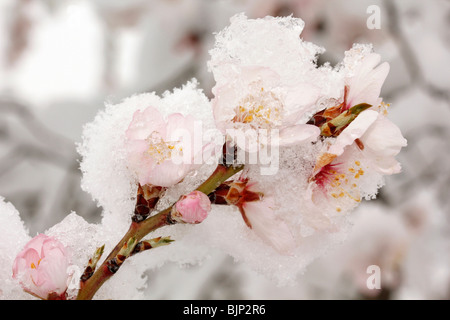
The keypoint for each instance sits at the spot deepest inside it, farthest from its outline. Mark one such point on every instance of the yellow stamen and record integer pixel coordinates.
(261, 110)
(159, 149)
(33, 266)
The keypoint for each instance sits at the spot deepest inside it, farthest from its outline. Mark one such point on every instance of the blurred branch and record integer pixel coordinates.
(18, 32)
(428, 169)
(49, 147)
(37, 128)
(21, 152)
(177, 80)
(407, 53)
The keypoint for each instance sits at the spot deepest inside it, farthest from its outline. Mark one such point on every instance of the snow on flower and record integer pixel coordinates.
(349, 120)
(254, 98)
(41, 267)
(335, 145)
(346, 161)
(117, 153)
(160, 151)
(360, 137)
(266, 79)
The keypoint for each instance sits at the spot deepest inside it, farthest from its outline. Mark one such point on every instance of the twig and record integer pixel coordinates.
(138, 230)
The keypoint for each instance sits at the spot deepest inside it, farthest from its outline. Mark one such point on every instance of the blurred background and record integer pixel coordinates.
(60, 60)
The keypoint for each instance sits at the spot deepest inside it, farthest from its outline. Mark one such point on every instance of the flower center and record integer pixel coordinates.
(33, 266)
(339, 184)
(261, 110)
(383, 107)
(161, 150)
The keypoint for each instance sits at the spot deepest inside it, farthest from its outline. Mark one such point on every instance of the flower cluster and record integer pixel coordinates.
(180, 158)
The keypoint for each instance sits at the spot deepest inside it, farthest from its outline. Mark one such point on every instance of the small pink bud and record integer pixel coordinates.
(41, 267)
(192, 208)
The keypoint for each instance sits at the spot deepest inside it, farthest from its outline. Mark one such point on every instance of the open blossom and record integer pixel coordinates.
(379, 141)
(41, 267)
(255, 100)
(377, 138)
(362, 91)
(192, 208)
(161, 152)
(366, 141)
(266, 82)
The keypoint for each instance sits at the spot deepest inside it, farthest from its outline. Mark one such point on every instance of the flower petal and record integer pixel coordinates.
(167, 173)
(300, 133)
(144, 123)
(365, 85)
(261, 217)
(383, 141)
(354, 131)
(299, 101)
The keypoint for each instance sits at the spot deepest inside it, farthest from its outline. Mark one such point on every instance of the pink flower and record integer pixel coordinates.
(378, 138)
(365, 150)
(255, 99)
(41, 267)
(192, 208)
(161, 152)
(361, 145)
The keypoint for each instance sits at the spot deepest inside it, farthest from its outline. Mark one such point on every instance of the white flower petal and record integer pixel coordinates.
(299, 100)
(268, 227)
(354, 131)
(383, 141)
(300, 133)
(365, 85)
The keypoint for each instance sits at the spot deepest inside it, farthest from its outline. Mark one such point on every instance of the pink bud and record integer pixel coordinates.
(192, 208)
(41, 267)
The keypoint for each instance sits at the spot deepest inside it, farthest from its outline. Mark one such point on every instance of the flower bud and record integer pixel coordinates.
(41, 267)
(192, 208)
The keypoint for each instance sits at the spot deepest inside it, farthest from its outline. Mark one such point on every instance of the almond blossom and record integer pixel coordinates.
(359, 134)
(161, 152)
(255, 99)
(266, 82)
(349, 120)
(336, 146)
(41, 267)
